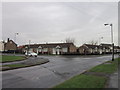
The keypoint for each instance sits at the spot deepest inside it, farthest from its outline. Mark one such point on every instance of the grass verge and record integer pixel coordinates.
(96, 77)
(21, 65)
(15, 65)
(83, 81)
(6, 58)
(107, 68)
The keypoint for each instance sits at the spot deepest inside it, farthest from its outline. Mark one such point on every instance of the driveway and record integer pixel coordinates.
(59, 69)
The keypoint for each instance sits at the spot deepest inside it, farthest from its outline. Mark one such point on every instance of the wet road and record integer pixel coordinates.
(59, 69)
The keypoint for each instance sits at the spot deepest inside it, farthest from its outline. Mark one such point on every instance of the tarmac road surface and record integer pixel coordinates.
(59, 69)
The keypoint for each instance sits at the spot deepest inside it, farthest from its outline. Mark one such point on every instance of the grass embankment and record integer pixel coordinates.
(93, 78)
(6, 58)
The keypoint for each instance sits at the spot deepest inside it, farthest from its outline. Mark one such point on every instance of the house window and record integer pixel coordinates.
(64, 49)
(54, 51)
(31, 50)
(91, 50)
(96, 49)
(45, 50)
(40, 50)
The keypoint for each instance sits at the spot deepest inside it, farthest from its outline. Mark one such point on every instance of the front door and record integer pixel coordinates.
(54, 51)
(58, 51)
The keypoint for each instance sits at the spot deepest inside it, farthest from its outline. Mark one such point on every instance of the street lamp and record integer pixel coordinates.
(15, 40)
(111, 25)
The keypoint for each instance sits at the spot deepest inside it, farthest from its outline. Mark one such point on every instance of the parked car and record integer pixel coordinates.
(31, 54)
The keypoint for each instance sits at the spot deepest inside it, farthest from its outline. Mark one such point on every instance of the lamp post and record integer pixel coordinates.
(15, 40)
(111, 27)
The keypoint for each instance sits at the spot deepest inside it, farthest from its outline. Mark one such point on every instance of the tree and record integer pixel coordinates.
(93, 42)
(70, 40)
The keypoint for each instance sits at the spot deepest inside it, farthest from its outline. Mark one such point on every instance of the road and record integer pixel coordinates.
(59, 69)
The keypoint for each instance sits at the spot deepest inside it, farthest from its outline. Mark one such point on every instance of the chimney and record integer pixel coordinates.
(8, 40)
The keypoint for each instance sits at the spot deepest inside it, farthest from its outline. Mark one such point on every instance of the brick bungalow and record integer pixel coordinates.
(116, 49)
(10, 46)
(51, 48)
(98, 49)
(2, 46)
(107, 48)
(90, 49)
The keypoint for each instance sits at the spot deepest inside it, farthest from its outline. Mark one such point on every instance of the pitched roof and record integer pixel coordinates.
(92, 46)
(105, 44)
(19, 47)
(116, 47)
(50, 45)
(12, 42)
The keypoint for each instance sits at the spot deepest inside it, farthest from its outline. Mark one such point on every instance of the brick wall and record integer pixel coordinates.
(10, 45)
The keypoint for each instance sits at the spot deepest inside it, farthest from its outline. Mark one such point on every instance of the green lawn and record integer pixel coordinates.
(83, 81)
(15, 65)
(109, 67)
(6, 58)
(92, 80)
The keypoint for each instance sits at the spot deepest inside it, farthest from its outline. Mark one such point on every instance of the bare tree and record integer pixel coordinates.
(93, 42)
(70, 40)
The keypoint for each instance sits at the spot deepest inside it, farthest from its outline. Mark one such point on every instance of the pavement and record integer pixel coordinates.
(59, 69)
(114, 79)
(113, 82)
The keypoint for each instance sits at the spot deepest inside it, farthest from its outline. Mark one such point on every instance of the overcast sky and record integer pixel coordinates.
(43, 22)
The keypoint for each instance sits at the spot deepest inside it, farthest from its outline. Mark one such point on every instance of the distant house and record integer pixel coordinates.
(2, 43)
(116, 49)
(10, 45)
(107, 48)
(98, 49)
(20, 49)
(90, 49)
(51, 48)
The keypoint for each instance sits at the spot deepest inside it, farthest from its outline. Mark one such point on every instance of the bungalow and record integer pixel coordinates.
(116, 49)
(90, 49)
(51, 48)
(107, 48)
(20, 49)
(8, 46)
(2, 46)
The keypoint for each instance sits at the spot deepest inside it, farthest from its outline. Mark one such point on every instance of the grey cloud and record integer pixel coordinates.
(53, 22)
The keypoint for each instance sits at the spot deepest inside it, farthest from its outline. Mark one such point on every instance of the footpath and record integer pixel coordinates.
(114, 79)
